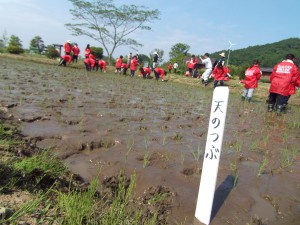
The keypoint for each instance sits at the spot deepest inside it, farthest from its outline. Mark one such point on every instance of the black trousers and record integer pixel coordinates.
(277, 99)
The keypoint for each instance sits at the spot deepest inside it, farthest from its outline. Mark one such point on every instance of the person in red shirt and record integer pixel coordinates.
(145, 71)
(170, 66)
(87, 51)
(252, 75)
(102, 65)
(124, 68)
(191, 64)
(283, 75)
(159, 73)
(92, 60)
(76, 52)
(68, 47)
(119, 64)
(219, 74)
(65, 59)
(88, 64)
(133, 65)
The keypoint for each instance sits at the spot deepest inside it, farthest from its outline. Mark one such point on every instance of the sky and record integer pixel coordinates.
(206, 26)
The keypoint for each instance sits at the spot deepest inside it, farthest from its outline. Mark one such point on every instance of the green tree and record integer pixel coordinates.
(143, 59)
(51, 52)
(14, 45)
(37, 43)
(98, 52)
(108, 24)
(179, 53)
(179, 50)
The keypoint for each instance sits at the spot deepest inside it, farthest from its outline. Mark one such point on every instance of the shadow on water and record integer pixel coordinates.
(221, 194)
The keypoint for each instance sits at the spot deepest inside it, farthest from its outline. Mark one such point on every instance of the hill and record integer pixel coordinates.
(268, 54)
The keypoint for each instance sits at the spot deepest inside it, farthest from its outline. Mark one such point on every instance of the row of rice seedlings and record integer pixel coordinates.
(288, 156)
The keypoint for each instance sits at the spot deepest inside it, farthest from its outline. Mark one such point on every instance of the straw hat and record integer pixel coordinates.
(222, 54)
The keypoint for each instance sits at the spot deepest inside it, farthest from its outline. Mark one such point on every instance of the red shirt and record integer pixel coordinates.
(119, 63)
(284, 74)
(67, 58)
(87, 51)
(160, 71)
(67, 47)
(102, 64)
(219, 73)
(252, 75)
(170, 66)
(75, 50)
(87, 61)
(124, 65)
(134, 64)
(292, 88)
(191, 63)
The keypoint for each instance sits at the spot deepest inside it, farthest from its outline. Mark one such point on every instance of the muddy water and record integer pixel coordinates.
(100, 124)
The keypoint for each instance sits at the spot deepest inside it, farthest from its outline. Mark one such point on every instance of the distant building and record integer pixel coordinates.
(266, 71)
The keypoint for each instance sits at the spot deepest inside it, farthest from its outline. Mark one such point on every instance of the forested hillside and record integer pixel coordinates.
(268, 54)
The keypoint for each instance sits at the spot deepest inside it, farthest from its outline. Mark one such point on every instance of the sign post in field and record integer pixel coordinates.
(212, 155)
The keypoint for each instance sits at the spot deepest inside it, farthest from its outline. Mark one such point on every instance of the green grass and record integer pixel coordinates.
(45, 161)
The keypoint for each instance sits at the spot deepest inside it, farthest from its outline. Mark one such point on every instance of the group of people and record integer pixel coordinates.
(132, 63)
(218, 71)
(71, 53)
(285, 77)
(91, 62)
(145, 71)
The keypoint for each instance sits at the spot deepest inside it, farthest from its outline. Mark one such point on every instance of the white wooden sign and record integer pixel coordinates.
(212, 155)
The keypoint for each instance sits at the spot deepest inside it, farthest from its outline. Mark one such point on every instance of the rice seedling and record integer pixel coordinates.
(197, 154)
(146, 141)
(266, 139)
(177, 137)
(234, 169)
(164, 136)
(254, 146)
(288, 156)
(238, 146)
(146, 159)
(182, 157)
(262, 166)
(285, 137)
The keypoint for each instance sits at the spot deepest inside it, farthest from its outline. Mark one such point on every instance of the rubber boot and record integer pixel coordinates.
(249, 99)
(279, 109)
(205, 83)
(243, 98)
(270, 107)
(284, 108)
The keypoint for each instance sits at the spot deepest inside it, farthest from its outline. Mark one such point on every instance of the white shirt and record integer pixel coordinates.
(175, 65)
(207, 63)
